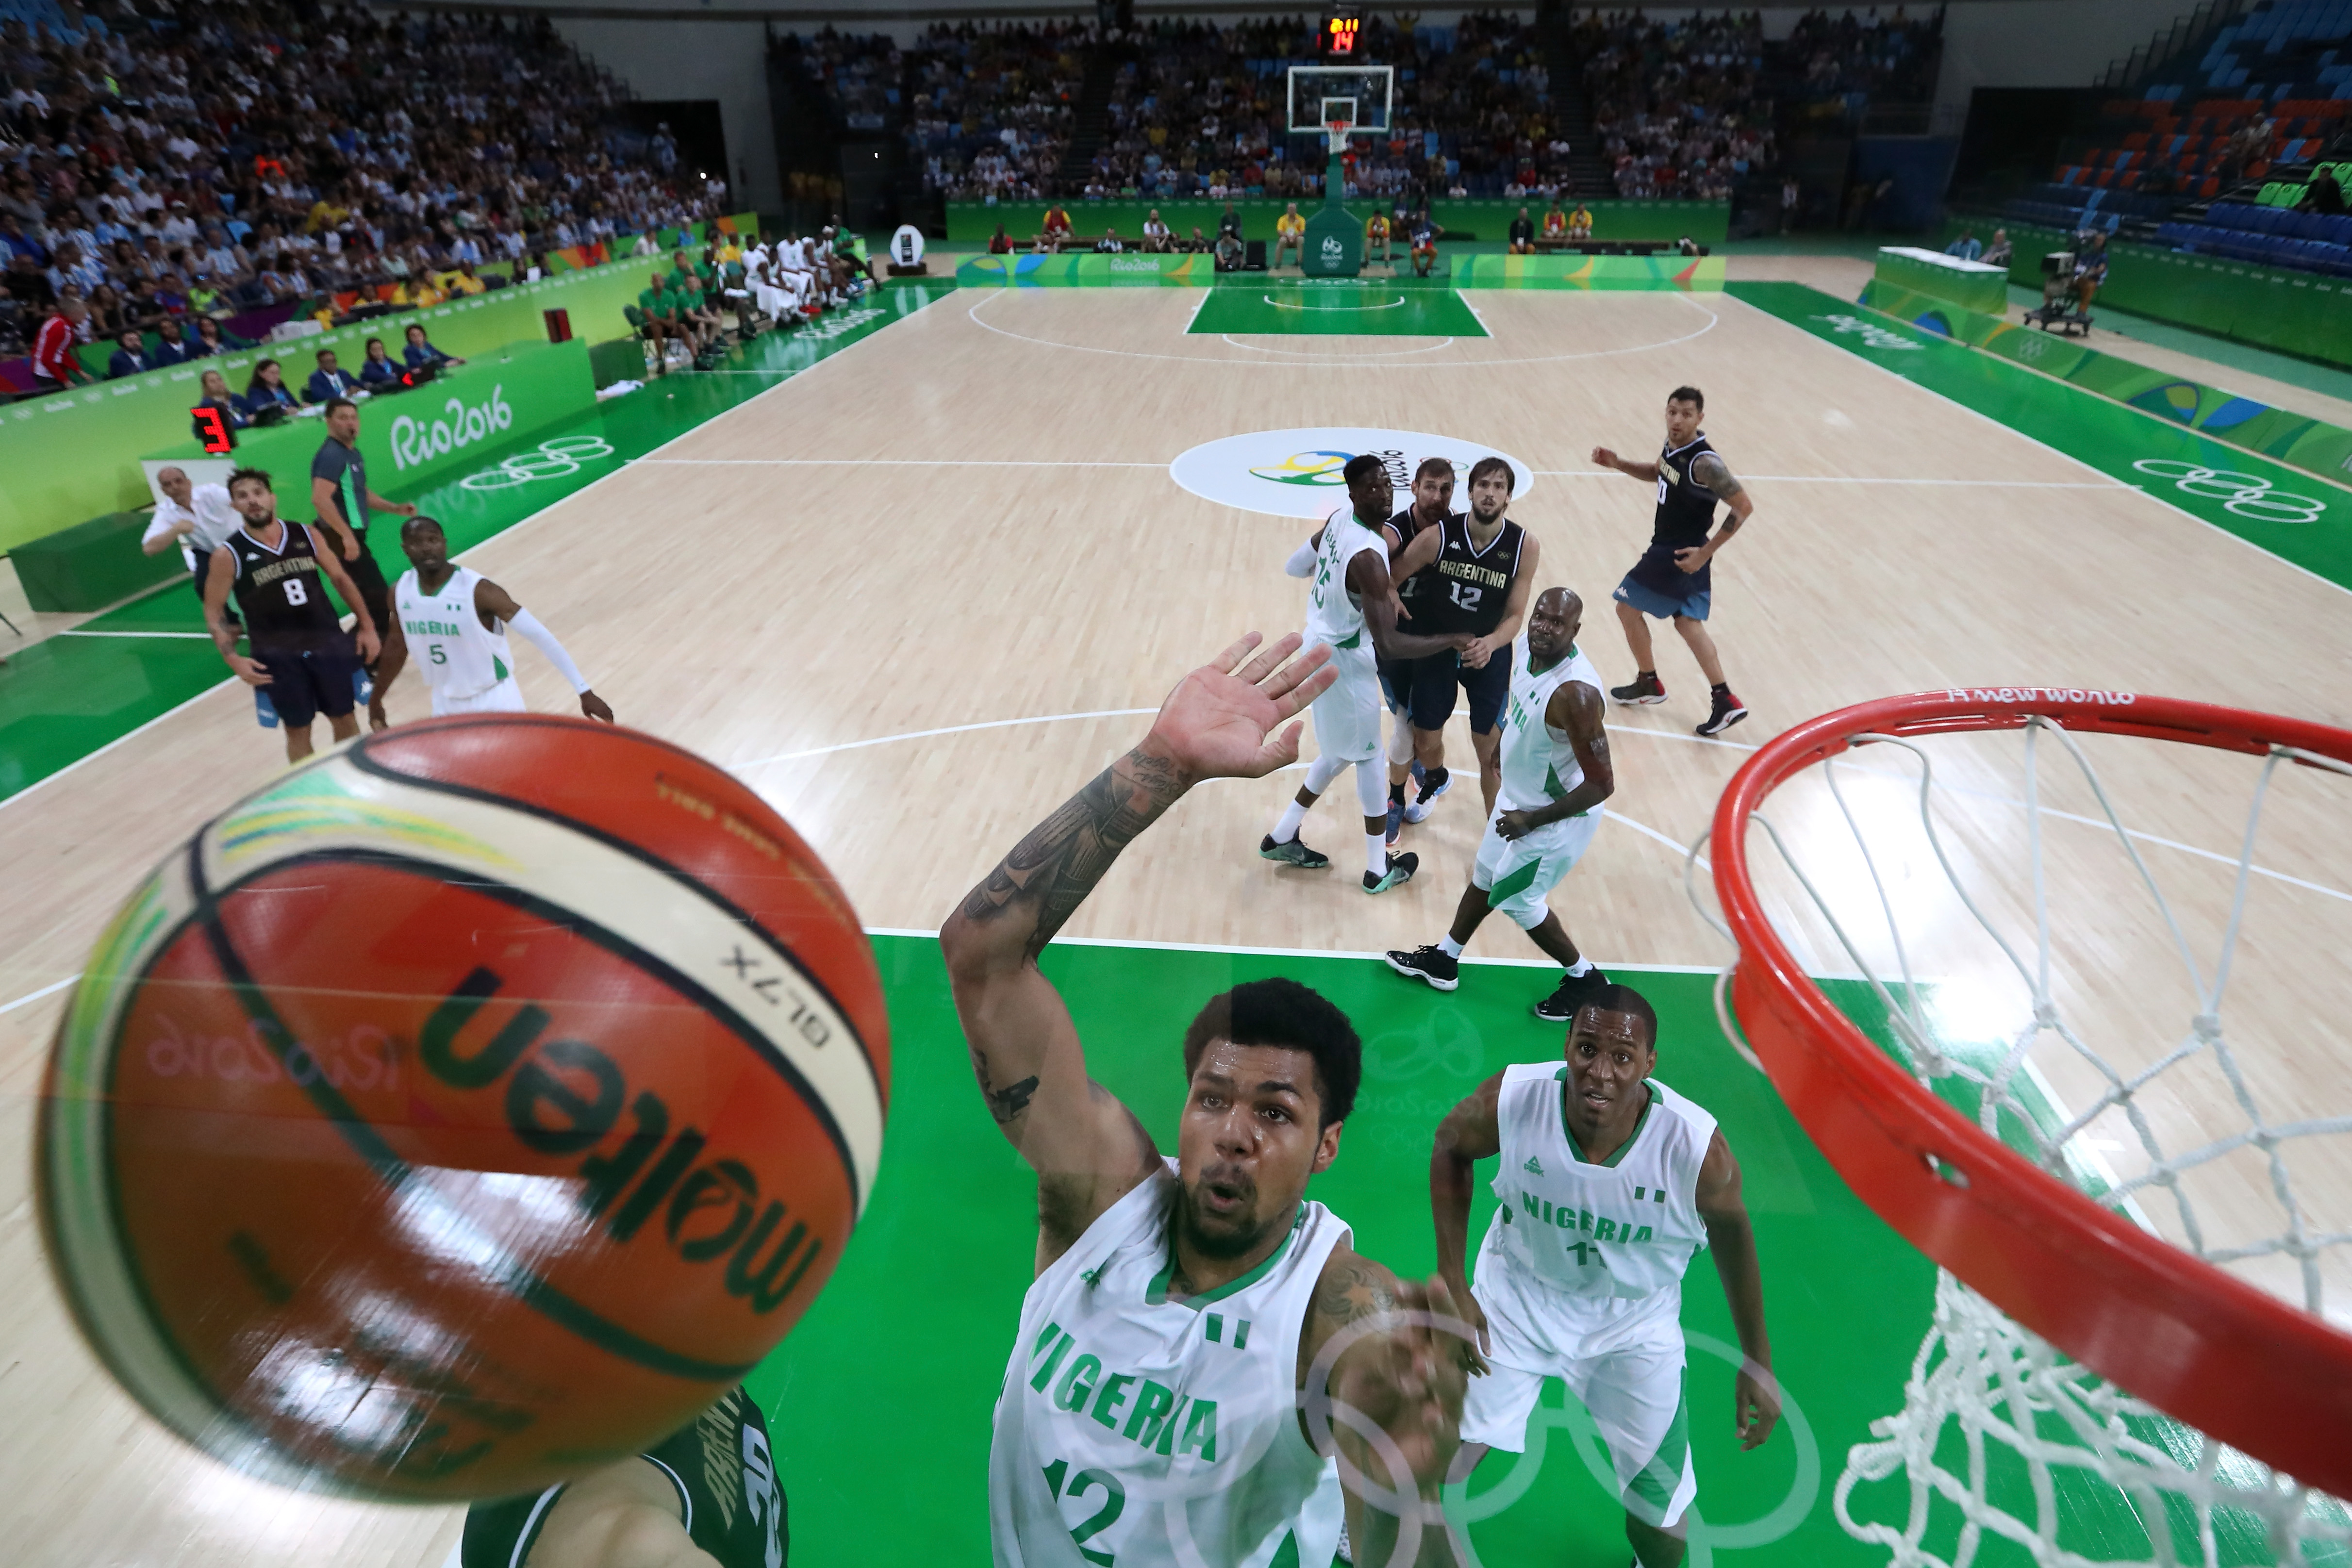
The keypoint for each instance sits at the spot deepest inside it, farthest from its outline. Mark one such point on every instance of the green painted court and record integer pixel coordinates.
(1356, 307)
(905, 1351)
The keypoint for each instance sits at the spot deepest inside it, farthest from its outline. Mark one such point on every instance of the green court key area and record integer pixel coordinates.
(1373, 306)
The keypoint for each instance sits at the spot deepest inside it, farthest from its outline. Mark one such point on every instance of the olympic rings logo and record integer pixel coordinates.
(2249, 495)
(557, 459)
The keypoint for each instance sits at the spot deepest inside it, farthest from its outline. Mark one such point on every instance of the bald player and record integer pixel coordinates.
(1555, 773)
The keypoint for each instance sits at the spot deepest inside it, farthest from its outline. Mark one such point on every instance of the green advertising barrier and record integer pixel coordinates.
(2308, 443)
(974, 222)
(68, 458)
(2306, 314)
(93, 565)
(1088, 271)
(1971, 285)
(1702, 273)
(1474, 271)
(413, 438)
(2302, 313)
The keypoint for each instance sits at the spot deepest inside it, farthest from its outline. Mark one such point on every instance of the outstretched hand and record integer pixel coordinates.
(1234, 718)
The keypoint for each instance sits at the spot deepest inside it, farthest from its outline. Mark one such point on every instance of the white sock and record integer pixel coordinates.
(1583, 967)
(1287, 829)
(1449, 946)
(1376, 853)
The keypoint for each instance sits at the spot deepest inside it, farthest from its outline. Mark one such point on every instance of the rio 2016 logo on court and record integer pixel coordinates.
(1296, 473)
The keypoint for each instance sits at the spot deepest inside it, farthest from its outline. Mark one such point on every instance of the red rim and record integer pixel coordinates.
(2200, 1344)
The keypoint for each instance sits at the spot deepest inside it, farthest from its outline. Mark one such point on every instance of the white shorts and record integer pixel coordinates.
(1348, 716)
(504, 697)
(1517, 874)
(1622, 1358)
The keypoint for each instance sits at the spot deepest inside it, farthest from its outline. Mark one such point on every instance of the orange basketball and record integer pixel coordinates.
(469, 1108)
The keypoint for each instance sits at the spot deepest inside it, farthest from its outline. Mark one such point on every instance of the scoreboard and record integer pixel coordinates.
(1342, 27)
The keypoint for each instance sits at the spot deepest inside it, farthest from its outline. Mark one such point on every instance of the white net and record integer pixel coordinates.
(2035, 1014)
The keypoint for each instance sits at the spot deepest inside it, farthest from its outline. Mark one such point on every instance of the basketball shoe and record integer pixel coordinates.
(1646, 688)
(1400, 871)
(1294, 852)
(1728, 710)
(1427, 799)
(1561, 1005)
(1431, 963)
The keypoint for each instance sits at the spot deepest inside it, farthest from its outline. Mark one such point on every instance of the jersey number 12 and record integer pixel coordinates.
(1114, 1504)
(1466, 598)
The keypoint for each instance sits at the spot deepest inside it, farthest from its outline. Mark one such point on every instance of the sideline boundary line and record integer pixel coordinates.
(1243, 951)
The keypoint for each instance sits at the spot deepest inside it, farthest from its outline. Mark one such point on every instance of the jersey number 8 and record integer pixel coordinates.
(296, 593)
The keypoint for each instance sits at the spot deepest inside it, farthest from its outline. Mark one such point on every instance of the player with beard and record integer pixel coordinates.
(1672, 581)
(1433, 496)
(1479, 569)
(1352, 611)
(1152, 1409)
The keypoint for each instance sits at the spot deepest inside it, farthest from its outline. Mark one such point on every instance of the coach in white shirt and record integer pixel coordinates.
(196, 518)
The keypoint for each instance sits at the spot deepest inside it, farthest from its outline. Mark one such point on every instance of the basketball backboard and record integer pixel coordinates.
(1321, 96)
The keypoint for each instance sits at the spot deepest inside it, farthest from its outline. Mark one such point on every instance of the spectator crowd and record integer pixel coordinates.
(1199, 109)
(185, 163)
(990, 109)
(1203, 110)
(1675, 104)
(1850, 59)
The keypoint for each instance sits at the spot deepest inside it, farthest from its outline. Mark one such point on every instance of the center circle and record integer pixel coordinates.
(1295, 473)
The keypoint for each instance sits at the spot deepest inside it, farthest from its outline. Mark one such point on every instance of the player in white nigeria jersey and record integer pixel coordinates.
(1351, 609)
(456, 622)
(1161, 1406)
(1608, 1182)
(1555, 773)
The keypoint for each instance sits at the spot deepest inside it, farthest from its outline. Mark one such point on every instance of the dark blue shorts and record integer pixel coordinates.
(1434, 678)
(304, 684)
(1649, 602)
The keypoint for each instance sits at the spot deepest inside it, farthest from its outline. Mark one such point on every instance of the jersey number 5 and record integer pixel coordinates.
(1114, 1504)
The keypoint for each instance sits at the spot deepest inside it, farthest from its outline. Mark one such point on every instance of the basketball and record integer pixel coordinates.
(468, 1108)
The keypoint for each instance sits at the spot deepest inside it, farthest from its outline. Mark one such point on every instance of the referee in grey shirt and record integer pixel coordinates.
(198, 517)
(339, 490)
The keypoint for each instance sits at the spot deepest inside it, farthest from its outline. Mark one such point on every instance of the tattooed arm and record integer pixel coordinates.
(1710, 471)
(1088, 1150)
(1405, 1378)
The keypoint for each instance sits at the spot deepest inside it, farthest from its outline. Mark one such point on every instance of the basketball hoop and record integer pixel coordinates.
(2066, 1328)
(1337, 130)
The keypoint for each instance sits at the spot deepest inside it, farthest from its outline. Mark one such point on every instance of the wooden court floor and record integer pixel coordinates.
(919, 594)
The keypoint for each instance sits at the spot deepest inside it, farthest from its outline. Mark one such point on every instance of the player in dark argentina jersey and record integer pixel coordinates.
(1671, 581)
(301, 656)
(1480, 564)
(1433, 496)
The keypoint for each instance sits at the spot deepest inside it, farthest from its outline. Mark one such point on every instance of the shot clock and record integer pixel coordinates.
(1342, 26)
